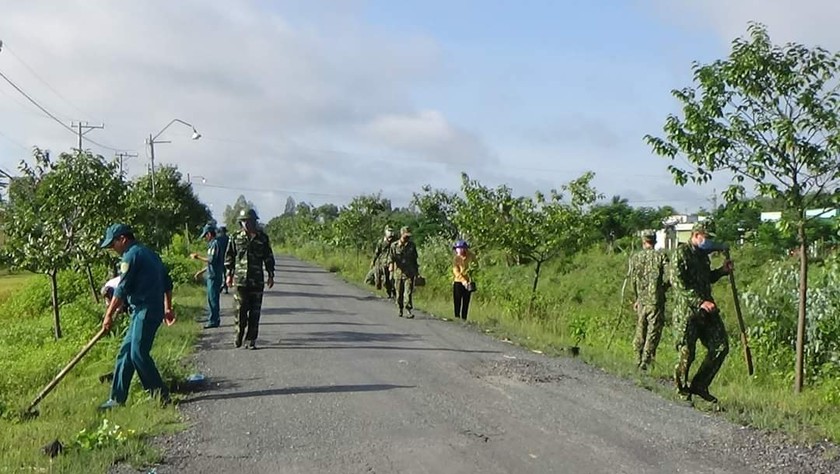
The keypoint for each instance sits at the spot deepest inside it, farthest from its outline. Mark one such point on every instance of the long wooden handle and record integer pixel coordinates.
(50, 386)
(742, 326)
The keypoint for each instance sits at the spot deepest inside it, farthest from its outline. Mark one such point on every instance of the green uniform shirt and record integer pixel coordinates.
(404, 256)
(247, 257)
(648, 277)
(143, 281)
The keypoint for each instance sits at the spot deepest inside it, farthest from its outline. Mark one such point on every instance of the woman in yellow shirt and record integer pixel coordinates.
(462, 284)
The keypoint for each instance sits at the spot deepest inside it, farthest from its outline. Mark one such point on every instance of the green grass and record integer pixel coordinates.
(29, 358)
(578, 305)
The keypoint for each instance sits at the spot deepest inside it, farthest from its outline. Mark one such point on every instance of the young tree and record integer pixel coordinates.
(538, 229)
(767, 114)
(436, 212)
(37, 235)
(359, 224)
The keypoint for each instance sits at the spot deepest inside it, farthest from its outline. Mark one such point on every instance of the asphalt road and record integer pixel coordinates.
(339, 384)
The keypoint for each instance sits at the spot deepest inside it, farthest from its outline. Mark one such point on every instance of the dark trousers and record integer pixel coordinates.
(462, 300)
(248, 308)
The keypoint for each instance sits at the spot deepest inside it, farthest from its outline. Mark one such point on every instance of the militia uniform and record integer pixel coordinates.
(691, 280)
(382, 263)
(649, 282)
(405, 270)
(248, 258)
(214, 275)
(144, 282)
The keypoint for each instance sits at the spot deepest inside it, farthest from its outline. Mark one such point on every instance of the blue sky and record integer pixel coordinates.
(326, 99)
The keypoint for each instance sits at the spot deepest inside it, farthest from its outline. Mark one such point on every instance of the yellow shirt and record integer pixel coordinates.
(461, 267)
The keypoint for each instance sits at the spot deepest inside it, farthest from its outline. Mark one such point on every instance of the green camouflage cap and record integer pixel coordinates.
(405, 231)
(705, 228)
(649, 235)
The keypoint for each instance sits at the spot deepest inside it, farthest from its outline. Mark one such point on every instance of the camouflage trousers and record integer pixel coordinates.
(405, 293)
(710, 330)
(247, 315)
(651, 320)
(383, 278)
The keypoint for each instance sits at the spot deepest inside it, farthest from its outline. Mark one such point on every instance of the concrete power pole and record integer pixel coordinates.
(83, 128)
(123, 155)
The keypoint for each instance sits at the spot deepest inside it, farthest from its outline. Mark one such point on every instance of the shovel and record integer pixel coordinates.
(30, 411)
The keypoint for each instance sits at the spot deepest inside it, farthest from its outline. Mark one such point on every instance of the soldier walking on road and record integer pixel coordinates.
(696, 316)
(649, 282)
(381, 263)
(248, 254)
(406, 268)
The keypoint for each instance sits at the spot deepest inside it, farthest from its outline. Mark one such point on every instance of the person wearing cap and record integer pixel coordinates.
(214, 273)
(696, 316)
(405, 270)
(247, 261)
(224, 240)
(146, 287)
(381, 263)
(648, 280)
(462, 284)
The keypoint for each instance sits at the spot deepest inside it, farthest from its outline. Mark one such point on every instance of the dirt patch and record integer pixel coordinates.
(520, 370)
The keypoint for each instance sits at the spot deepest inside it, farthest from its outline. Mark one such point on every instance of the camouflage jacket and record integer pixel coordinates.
(404, 257)
(246, 258)
(382, 256)
(691, 277)
(648, 276)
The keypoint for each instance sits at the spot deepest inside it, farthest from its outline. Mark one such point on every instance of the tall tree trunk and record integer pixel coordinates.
(56, 318)
(803, 295)
(536, 279)
(92, 283)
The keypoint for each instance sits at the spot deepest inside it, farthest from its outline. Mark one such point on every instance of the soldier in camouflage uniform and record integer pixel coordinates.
(382, 263)
(405, 270)
(695, 315)
(248, 253)
(648, 278)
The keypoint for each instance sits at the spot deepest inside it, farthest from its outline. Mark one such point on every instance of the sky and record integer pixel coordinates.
(323, 100)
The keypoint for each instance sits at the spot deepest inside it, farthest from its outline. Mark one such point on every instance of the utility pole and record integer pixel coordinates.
(83, 128)
(121, 155)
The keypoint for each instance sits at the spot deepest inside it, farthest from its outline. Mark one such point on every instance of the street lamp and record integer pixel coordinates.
(202, 178)
(153, 139)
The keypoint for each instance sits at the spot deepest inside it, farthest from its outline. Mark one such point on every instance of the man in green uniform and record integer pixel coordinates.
(405, 270)
(214, 273)
(146, 287)
(648, 279)
(696, 316)
(382, 262)
(248, 254)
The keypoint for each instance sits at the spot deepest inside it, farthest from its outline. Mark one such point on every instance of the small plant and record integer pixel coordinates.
(108, 434)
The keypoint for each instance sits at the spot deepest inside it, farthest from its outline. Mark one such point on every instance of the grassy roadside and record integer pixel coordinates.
(579, 305)
(29, 358)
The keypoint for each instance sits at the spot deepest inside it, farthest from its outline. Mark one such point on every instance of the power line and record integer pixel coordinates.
(50, 114)
(274, 190)
(43, 81)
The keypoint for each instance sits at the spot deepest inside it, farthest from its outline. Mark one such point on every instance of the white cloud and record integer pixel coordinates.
(428, 136)
(262, 88)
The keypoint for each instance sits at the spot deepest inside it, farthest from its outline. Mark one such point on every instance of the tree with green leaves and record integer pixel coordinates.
(174, 209)
(436, 209)
(360, 223)
(768, 115)
(538, 229)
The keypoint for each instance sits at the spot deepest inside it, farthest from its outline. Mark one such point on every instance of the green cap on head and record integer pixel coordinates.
(649, 235)
(113, 232)
(705, 228)
(248, 214)
(405, 231)
(207, 228)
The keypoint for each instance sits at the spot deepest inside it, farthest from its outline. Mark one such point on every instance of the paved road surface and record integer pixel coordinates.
(339, 384)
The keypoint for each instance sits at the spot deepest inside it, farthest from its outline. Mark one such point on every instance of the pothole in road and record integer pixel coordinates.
(521, 370)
